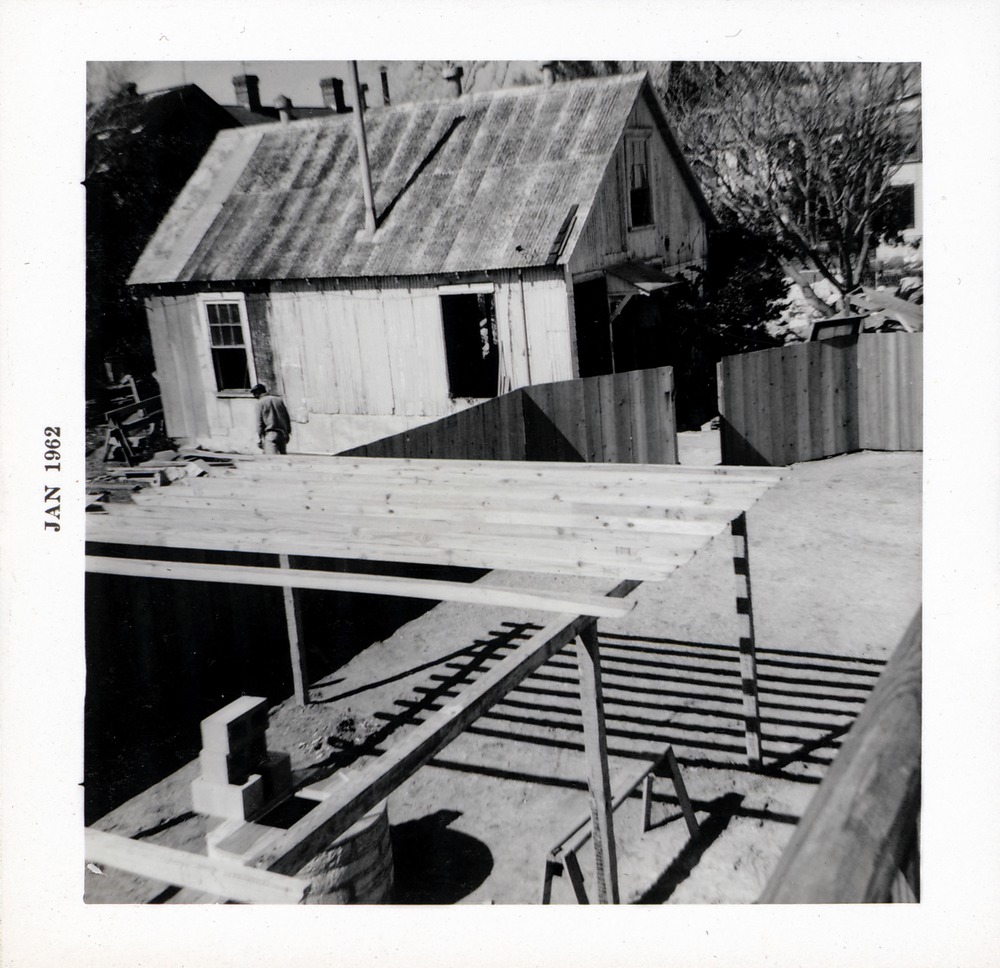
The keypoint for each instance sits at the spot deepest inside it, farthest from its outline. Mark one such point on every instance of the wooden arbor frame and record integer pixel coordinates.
(625, 523)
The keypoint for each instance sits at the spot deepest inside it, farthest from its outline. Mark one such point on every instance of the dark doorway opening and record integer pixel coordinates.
(641, 337)
(470, 339)
(593, 327)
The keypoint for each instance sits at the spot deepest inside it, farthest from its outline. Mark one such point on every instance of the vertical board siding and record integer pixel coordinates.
(819, 399)
(618, 418)
(890, 388)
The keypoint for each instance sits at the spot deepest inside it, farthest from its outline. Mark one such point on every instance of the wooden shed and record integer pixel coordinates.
(522, 236)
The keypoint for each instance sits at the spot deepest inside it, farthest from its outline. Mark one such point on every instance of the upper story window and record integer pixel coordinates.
(640, 195)
(229, 342)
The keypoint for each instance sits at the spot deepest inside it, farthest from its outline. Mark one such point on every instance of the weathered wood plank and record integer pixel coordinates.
(195, 871)
(588, 655)
(431, 590)
(849, 844)
(293, 621)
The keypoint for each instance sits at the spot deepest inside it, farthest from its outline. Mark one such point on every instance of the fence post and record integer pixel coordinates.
(293, 619)
(747, 645)
(596, 752)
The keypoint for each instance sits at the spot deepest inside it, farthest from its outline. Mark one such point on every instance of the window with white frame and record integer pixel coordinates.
(640, 197)
(229, 341)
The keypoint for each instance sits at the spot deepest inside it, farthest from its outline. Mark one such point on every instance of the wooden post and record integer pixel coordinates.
(747, 646)
(293, 618)
(596, 752)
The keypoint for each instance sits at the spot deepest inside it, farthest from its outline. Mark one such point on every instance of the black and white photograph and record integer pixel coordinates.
(495, 485)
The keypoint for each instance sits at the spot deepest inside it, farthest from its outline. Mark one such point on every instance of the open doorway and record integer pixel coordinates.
(470, 340)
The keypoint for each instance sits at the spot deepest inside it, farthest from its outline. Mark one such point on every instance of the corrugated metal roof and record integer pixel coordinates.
(484, 181)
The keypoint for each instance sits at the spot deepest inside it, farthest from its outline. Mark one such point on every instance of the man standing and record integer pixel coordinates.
(273, 426)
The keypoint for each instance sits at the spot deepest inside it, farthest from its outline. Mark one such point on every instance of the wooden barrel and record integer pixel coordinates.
(357, 867)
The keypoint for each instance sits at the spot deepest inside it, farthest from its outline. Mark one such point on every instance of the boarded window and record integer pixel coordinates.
(228, 340)
(639, 191)
(470, 340)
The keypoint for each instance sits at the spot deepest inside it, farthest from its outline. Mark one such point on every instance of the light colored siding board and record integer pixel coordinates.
(169, 369)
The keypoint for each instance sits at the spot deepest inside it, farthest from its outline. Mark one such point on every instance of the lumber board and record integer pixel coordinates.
(678, 518)
(165, 534)
(386, 467)
(664, 535)
(627, 519)
(427, 589)
(497, 494)
(293, 622)
(195, 871)
(849, 844)
(602, 830)
(485, 550)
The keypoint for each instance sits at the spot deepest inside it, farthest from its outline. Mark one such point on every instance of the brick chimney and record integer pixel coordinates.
(548, 69)
(384, 75)
(332, 89)
(247, 91)
(453, 75)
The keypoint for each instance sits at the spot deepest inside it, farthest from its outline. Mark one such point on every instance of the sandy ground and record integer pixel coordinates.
(835, 563)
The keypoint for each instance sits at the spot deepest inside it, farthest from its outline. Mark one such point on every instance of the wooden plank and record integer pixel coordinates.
(776, 398)
(588, 655)
(915, 396)
(797, 365)
(622, 398)
(746, 641)
(449, 548)
(287, 850)
(664, 536)
(850, 842)
(817, 401)
(606, 517)
(194, 871)
(292, 578)
(293, 622)
(388, 477)
(653, 404)
(853, 423)
(669, 391)
(304, 544)
(335, 465)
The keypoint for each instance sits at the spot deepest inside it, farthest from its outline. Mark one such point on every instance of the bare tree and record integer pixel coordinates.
(800, 154)
(107, 79)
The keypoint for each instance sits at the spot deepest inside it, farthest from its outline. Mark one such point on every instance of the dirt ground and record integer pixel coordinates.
(835, 564)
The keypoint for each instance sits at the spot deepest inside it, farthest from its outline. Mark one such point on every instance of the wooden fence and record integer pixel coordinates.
(819, 399)
(858, 839)
(625, 418)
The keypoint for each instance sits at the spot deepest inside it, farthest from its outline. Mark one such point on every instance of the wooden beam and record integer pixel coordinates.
(557, 560)
(183, 869)
(287, 850)
(386, 469)
(853, 838)
(545, 541)
(293, 620)
(747, 640)
(609, 518)
(427, 589)
(498, 493)
(596, 750)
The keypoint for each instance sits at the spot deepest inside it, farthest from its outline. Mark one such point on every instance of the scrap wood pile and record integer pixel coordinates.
(119, 483)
